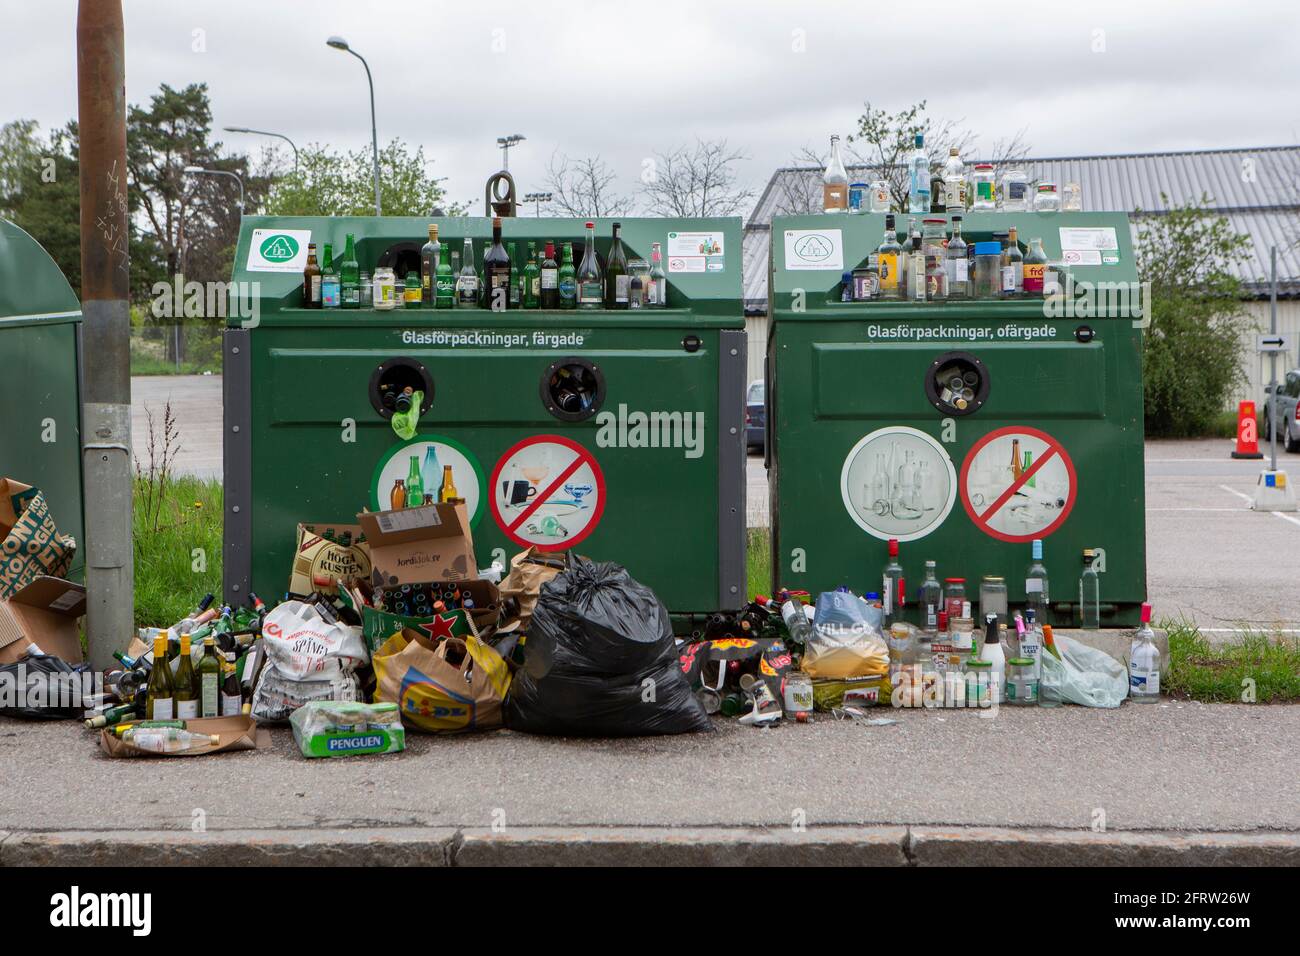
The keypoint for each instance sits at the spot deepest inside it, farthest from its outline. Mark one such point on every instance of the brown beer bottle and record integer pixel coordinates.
(311, 280)
(397, 497)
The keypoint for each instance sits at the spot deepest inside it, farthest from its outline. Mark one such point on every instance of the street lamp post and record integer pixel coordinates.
(339, 43)
(200, 171)
(263, 132)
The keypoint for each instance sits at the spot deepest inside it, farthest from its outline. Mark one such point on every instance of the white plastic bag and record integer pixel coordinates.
(843, 643)
(1089, 677)
(308, 658)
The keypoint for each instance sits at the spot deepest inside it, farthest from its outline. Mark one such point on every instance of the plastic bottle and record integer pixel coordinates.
(992, 652)
(1144, 662)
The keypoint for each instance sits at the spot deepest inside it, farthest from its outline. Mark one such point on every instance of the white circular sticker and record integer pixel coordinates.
(898, 482)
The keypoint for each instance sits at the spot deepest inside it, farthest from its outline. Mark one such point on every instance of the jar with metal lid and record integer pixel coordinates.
(993, 597)
(1015, 191)
(798, 696)
(385, 291)
(1046, 198)
(961, 634)
(1022, 682)
(858, 201)
(983, 190)
(367, 291)
(954, 596)
(988, 270)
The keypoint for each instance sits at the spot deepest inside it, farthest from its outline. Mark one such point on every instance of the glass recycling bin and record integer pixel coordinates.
(40, 380)
(617, 433)
(963, 429)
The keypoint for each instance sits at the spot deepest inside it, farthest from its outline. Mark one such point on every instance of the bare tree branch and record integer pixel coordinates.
(697, 180)
(584, 187)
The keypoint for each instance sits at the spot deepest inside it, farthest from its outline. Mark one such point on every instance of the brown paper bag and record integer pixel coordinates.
(236, 733)
(454, 685)
(31, 544)
(529, 570)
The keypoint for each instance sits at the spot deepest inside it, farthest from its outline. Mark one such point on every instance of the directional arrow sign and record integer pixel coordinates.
(1272, 342)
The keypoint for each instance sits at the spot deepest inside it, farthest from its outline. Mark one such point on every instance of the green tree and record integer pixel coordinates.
(1193, 349)
(331, 183)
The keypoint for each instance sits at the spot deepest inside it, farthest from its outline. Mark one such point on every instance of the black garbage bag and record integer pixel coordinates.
(42, 687)
(600, 661)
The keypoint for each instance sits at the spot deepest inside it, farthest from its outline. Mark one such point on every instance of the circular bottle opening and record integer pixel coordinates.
(957, 383)
(394, 383)
(573, 389)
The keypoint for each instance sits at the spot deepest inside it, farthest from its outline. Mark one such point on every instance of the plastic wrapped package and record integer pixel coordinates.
(844, 643)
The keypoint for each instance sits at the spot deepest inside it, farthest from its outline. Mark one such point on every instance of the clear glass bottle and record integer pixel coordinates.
(918, 193)
(983, 191)
(931, 598)
(1035, 269)
(956, 266)
(835, 182)
(1037, 595)
(1013, 267)
(467, 280)
(954, 183)
(591, 287)
(934, 239)
(916, 272)
(889, 259)
(894, 591)
(1015, 190)
(1046, 198)
(657, 291)
(1144, 663)
(1072, 197)
(1089, 593)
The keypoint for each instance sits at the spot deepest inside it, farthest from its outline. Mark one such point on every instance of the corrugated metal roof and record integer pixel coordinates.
(1257, 189)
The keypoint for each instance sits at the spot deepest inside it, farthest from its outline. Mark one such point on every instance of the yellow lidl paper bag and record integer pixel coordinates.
(447, 687)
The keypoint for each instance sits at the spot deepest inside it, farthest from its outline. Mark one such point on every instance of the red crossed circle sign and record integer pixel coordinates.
(547, 491)
(1021, 500)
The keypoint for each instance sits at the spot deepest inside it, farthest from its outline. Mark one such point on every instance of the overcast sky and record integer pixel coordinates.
(621, 79)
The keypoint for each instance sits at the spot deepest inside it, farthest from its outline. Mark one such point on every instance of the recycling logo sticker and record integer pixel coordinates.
(278, 250)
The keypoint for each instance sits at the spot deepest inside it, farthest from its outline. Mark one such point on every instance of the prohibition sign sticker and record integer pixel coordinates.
(547, 491)
(1018, 483)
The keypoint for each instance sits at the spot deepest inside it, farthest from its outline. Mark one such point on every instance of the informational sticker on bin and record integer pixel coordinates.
(1089, 246)
(278, 250)
(696, 252)
(548, 491)
(814, 249)
(1018, 483)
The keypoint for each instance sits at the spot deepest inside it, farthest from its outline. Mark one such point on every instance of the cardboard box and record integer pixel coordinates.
(320, 559)
(30, 541)
(43, 613)
(418, 545)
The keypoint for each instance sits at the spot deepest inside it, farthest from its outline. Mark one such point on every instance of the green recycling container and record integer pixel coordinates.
(40, 384)
(617, 434)
(963, 429)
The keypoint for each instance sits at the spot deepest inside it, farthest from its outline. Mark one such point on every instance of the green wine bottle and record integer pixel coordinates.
(617, 282)
(209, 675)
(568, 280)
(350, 276)
(446, 297)
(414, 484)
(532, 279)
(184, 689)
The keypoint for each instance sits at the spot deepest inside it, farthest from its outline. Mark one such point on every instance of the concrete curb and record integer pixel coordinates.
(649, 846)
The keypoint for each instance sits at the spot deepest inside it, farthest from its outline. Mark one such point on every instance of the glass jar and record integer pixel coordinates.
(993, 597)
(367, 291)
(1015, 190)
(866, 282)
(983, 192)
(858, 202)
(1072, 197)
(879, 196)
(979, 683)
(1046, 198)
(961, 635)
(988, 270)
(385, 289)
(798, 697)
(954, 596)
(1022, 682)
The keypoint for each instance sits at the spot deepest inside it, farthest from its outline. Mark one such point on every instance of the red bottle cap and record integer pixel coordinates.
(893, 547)
(1146, 613)
(954, 580)
(943, 620)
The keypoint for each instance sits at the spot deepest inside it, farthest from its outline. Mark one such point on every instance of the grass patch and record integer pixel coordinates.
(177, 548)
(1199, 670)
(758, 562)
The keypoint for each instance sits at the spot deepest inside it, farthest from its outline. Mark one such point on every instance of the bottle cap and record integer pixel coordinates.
(943, 620)
(988, 248)
(920, 139)
(954, 580)
(1146, 613)
(872, 596)
(591, 225)
(893, 547)
(846, 277)
(1029, 615)
(1036, 548)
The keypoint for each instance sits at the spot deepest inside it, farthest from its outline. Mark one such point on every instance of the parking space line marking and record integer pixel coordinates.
(1275, 514)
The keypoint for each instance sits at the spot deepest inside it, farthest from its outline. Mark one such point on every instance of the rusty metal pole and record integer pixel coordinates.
(106, 329)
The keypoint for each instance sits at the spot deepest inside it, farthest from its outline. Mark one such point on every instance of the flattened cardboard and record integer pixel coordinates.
(44, 613)
(419, 545)
(236, 733)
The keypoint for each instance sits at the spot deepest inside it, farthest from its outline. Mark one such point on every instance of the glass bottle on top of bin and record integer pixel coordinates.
(551, 281)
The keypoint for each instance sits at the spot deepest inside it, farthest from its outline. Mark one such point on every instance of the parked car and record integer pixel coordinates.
(755, 415)
(1288, 408)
